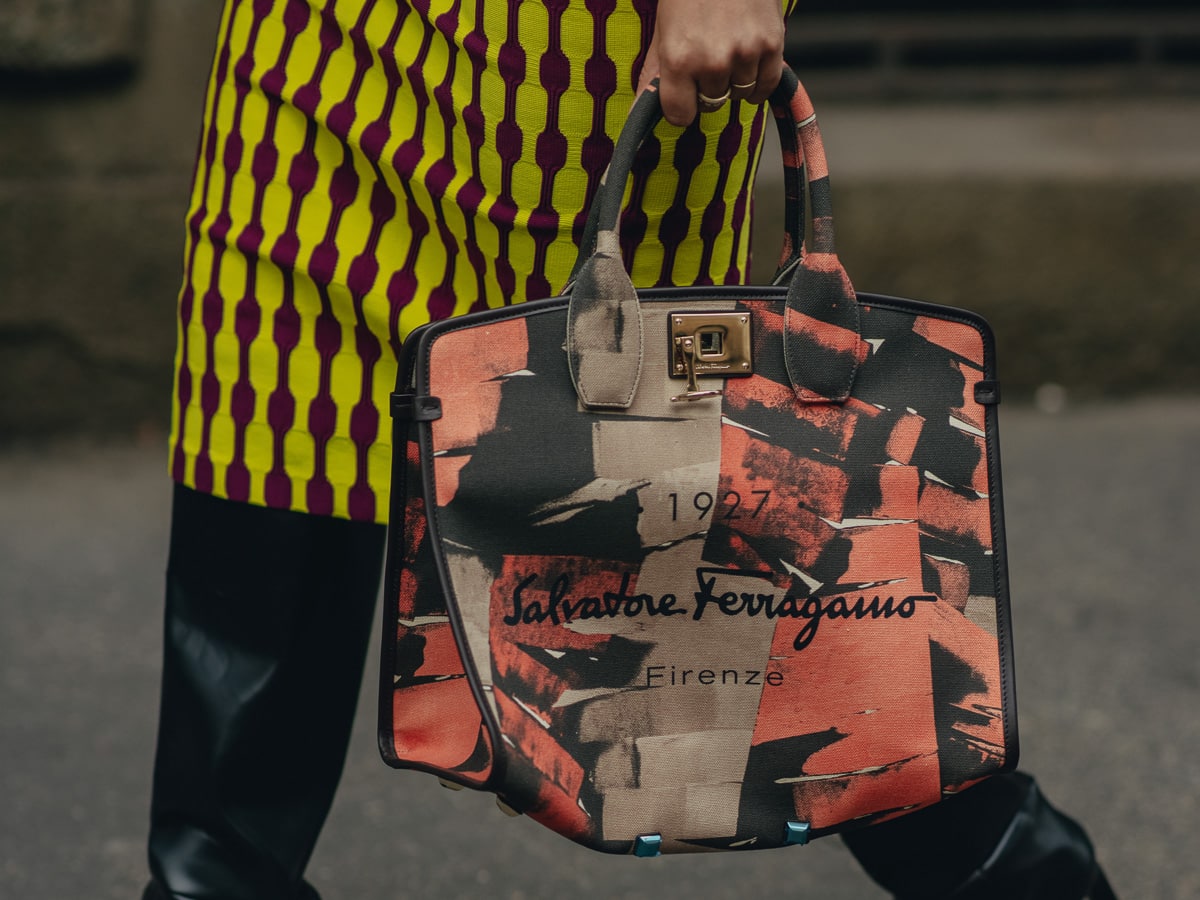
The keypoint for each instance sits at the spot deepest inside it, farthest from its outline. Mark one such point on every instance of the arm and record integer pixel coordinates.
(710, 47)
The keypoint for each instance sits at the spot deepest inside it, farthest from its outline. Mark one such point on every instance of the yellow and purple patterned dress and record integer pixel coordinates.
(367, 166)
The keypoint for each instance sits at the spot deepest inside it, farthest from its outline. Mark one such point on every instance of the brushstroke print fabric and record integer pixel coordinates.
(706, 620)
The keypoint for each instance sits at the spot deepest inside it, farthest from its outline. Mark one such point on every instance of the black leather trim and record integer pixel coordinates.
(1004, 627)
(392, 566)
(987, 393)
(413, 408)
(688, 295)
(496, 777)
(411, 422)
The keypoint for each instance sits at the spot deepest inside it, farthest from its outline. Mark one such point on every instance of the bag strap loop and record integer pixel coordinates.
(822, 334)
(822, 340)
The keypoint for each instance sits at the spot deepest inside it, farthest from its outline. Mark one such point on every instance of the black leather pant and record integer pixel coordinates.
(268, 615)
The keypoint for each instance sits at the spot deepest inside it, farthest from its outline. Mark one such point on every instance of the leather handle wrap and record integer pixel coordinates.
(822, 342)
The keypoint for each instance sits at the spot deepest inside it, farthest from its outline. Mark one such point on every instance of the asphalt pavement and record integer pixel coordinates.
(1103, 508)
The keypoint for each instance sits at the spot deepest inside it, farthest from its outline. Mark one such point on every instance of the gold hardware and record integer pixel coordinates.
(709, 344)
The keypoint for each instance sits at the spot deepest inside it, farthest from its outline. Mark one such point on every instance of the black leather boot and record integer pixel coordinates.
(268, 615)
(999, 840)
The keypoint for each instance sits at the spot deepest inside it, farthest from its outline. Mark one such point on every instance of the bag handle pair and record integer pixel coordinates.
(822, 333)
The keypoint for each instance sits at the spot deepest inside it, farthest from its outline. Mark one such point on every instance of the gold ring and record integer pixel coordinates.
(742, 91)
(710, 104)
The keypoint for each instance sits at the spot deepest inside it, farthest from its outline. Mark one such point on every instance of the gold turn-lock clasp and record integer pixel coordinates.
(709, 344)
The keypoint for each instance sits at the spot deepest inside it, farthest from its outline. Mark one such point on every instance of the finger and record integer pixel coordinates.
(712, 80)
(708, 103)
(743, 75)
(712, 87)
(770, 70)
(743, 86)
(678, 96)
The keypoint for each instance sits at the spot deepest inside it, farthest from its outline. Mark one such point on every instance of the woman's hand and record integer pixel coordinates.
(705, 50)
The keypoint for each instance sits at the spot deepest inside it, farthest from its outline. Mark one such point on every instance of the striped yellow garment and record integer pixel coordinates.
(369, 165)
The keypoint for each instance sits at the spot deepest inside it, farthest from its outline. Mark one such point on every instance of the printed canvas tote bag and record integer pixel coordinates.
(704, 567)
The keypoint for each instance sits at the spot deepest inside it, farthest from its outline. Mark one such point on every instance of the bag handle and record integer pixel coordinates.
(794, 221)
(822, 339)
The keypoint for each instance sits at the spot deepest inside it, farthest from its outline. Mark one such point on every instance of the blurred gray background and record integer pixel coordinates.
(1036, 162)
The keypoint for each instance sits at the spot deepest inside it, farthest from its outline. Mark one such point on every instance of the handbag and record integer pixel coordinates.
(700, 568)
